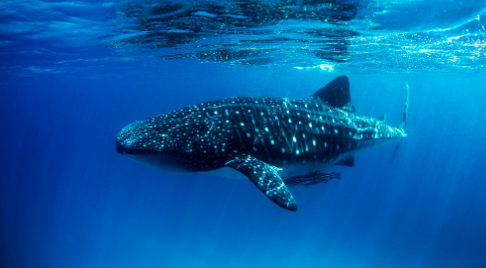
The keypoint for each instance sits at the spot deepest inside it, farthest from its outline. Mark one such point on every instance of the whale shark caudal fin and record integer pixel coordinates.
(336, 94)
(405, 110)
(265, 177)
(311, 178)
(403, 126)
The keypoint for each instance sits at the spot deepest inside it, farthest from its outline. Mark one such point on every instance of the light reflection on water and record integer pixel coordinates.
(342, 34)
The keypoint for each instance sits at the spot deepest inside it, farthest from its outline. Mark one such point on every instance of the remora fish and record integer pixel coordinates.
(274, 142)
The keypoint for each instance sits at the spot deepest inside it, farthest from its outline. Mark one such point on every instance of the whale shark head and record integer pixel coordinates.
(137, 138)
(157, 142)
(185, 140)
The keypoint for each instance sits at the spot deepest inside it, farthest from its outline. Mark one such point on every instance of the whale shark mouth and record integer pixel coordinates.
(119, 147)
(123, 150)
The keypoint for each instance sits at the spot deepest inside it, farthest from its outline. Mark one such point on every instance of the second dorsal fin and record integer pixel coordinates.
(382, 118)
(336, 94)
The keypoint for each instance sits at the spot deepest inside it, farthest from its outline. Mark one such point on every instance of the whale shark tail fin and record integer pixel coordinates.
(405, 111)
(403, 126)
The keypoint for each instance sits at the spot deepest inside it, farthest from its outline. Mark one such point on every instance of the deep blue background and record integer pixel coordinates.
(69, 200)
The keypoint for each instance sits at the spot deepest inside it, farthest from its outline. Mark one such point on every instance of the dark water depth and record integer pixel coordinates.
(68, 199)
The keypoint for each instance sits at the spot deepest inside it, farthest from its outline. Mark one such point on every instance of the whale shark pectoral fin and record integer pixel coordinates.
(336, 94)
(265, 177)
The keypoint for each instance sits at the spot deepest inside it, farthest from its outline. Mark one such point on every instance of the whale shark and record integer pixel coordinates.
(274, 142)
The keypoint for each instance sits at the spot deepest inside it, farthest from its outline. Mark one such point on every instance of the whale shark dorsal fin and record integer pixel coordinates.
(336, 94)
(265, 177)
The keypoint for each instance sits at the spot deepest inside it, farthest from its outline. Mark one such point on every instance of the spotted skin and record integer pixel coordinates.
(265, 177)
(265, 139)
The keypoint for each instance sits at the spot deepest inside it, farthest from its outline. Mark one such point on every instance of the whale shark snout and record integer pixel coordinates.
(140, 138)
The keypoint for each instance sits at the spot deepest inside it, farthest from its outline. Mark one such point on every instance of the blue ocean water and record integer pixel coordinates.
(74, 73)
